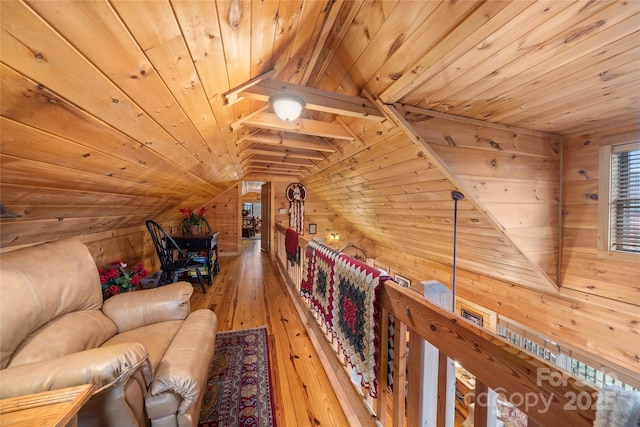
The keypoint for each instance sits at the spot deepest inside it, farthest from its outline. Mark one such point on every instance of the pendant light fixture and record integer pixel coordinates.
(287, 106)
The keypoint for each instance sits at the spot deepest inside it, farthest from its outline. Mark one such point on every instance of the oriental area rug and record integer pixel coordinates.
(238, 390)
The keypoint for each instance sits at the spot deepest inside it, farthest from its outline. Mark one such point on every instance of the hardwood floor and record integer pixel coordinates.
(249, 293)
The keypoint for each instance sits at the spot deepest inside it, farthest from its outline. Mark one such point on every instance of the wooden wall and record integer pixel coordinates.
(129, 245)
(513, 174)
(605, 286)
(596, 308)
(319, 212)
(583, 271)
(224, 215)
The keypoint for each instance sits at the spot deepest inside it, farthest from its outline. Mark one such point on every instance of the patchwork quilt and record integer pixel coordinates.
(343, 291)
(317, 279)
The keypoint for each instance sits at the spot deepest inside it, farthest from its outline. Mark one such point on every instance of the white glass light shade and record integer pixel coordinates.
(287, 106)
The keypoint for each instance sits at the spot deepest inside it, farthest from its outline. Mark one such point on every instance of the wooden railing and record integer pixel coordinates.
(545, 394)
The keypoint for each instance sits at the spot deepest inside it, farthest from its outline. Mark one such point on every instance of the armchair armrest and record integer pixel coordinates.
(103, 366)
(180, 379)
(135, 309)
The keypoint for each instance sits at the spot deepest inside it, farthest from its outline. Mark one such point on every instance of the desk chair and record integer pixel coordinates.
(173, 260)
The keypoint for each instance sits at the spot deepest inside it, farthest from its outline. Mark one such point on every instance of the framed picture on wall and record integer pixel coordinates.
(402, 281)
(313, 228)
(474, 317)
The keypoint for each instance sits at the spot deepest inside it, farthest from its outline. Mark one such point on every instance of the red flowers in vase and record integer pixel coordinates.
(191, 218)
(116, 279)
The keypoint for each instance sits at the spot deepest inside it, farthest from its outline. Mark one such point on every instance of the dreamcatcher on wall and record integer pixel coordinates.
(296, 194)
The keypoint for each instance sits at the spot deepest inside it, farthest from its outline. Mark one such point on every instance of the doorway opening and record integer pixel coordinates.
(251, 209)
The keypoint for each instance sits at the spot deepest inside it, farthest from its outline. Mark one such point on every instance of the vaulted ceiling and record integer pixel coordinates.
(109, 105)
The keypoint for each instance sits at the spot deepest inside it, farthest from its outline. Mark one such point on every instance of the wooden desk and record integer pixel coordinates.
(49, 408)
(204, 242)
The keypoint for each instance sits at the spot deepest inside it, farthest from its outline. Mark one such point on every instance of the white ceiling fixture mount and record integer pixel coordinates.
(287, 106)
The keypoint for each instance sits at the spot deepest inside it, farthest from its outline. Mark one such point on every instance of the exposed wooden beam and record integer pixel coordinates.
(291, 141)
(273, 172)
(283, 152)
(301, 126)
(313, 75)
(316, 99)
(274, 166)
(356, 141)
(280, 160)
(246, 137)
(238, 124)
(231, 97)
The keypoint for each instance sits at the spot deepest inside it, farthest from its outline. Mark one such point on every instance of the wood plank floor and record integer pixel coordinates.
(249, 293)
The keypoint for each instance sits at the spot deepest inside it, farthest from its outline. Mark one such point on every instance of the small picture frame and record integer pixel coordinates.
(313, 228)
(473, 317)
(402, 281)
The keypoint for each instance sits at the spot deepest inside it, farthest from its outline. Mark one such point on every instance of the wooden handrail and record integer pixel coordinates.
(547, 395)
(495, 362)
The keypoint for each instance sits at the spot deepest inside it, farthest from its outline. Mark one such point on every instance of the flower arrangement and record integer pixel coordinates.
(115, 279)
(192, 218)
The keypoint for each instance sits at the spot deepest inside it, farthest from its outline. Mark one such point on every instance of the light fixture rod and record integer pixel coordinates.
(456, 196)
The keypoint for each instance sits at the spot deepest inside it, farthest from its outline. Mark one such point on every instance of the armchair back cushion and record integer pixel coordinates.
(68, 334)
(72, 285)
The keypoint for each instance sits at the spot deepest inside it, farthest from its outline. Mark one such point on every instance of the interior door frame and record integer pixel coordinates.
(267, 214)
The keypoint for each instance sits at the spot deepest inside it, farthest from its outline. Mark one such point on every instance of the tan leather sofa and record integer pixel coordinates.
(148, 354)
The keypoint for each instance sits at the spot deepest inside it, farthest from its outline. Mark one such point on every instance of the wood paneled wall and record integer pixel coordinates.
(598, 304)
(603, 327)
(319, 212)
(582, 270)
(513, 174)
(224, 215)
(128, 245)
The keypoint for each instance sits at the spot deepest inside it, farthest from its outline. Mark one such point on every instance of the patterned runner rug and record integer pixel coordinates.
(238, 391)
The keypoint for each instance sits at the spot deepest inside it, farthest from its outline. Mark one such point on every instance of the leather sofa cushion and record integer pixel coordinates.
(155, 338)
(69, 333)
(42, 283)
(132, 310)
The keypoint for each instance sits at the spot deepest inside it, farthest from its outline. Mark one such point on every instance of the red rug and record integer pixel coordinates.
(238, 391)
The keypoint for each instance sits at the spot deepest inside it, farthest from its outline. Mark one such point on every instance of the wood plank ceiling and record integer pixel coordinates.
(114, 111)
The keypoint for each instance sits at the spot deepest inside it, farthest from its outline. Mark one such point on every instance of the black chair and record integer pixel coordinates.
(173, 260)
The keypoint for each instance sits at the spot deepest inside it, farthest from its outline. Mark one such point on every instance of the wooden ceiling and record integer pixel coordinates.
(126, 104)
(289, 148)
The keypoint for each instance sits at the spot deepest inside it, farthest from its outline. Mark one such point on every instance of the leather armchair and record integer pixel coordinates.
(148, 353)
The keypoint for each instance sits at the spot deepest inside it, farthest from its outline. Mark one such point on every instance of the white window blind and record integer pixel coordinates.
(625, 198)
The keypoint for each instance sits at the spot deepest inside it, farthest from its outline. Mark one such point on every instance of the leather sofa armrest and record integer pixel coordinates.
(104, 366)
(184, 368)
(132, 310)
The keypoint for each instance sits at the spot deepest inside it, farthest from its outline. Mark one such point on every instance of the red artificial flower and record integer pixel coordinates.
(116, 279)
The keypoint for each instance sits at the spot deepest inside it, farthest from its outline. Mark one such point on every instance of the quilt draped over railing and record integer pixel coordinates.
(343, 291)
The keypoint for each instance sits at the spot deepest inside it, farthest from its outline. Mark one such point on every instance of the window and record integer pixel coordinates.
(625, 198)
(588, 368)
(619, 200)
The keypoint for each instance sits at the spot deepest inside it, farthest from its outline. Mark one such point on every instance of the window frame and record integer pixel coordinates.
(606, 151)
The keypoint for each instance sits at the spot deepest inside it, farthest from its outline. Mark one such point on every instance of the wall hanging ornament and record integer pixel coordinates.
(296, 194)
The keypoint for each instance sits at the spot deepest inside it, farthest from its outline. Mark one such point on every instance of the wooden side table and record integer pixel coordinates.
(57, 408)
(204, 242)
